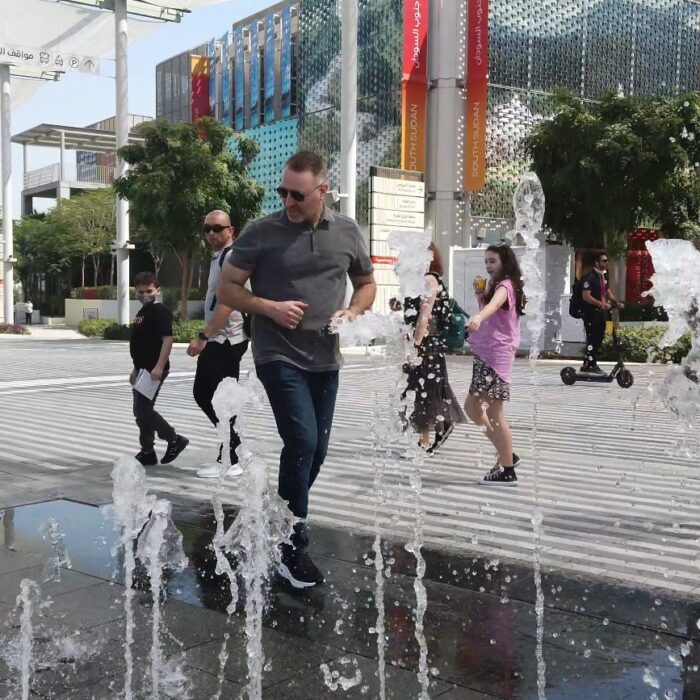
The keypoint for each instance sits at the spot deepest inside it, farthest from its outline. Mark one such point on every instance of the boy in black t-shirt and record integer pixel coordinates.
(151, 342)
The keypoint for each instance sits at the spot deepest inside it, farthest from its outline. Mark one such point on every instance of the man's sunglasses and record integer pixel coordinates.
(216, 228)
(283, 192)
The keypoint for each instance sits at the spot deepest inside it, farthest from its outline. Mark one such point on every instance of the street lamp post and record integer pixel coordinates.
(121, 39)
(348, 107)
(5, 135)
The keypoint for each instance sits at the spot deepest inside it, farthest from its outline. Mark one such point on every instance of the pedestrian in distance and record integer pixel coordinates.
(220, 347)
(28, 311)
(596, 301)
(150, 345)
(494, 336)
(298, 261)
(436, 407)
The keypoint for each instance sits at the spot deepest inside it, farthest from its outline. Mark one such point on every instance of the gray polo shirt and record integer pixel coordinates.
(294, 262)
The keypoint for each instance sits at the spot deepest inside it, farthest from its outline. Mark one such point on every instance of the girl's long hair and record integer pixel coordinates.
(510, 270)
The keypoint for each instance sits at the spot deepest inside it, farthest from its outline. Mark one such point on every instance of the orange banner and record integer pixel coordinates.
(413, 113)
(414, 84)
(477, 95)
(199, 68)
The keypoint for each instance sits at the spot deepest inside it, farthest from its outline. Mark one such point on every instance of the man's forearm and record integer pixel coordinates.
(238, 297)
(165, 349)
(363, 298)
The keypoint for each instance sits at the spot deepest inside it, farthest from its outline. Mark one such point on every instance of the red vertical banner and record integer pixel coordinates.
(477, 94)
(199, 68)
(414, 84)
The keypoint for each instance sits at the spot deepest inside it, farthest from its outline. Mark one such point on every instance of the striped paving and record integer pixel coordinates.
(602, 463)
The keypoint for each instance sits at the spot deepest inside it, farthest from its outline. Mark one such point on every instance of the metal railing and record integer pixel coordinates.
(88, 174)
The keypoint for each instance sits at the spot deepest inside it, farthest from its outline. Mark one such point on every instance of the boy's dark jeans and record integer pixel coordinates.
(150, 422)
(215, 362)
(303, 404)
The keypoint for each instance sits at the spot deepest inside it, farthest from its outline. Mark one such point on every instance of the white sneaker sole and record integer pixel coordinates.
(286, 574)
(499, 483)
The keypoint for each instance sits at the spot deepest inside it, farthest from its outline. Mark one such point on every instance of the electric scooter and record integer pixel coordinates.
(619, 373)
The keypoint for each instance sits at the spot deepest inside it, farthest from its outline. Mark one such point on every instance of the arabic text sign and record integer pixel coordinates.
(48, 59)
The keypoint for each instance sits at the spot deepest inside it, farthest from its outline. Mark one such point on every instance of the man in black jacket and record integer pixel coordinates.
(597, 300)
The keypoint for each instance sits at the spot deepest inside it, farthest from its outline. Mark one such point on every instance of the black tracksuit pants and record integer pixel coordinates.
(215, 362)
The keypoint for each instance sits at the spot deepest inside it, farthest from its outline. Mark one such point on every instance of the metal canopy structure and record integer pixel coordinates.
(97, 28)
(139, 8)
(74, 138)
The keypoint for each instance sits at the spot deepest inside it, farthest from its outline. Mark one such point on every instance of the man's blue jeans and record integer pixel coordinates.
(303, 404)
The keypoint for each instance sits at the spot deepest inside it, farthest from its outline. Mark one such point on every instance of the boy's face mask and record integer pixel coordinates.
(146, 298)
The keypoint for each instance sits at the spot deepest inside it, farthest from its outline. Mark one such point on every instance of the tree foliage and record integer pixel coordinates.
(177, 175)
(89, 222)
(609, 167)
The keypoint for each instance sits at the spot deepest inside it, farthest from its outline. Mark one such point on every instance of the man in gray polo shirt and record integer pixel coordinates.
(298, 260)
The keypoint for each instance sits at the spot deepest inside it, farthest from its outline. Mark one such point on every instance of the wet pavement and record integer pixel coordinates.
(601, 640)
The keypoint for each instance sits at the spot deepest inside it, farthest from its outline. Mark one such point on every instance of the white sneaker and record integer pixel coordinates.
(219, 471)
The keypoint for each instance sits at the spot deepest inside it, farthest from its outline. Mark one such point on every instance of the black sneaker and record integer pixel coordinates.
(148, 459)
(502, 477)
(297, 568)
(441, 438)
(498, 465)
(174, 449)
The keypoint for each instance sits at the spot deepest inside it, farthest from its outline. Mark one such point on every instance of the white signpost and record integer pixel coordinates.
(48, 59)
(395, 204)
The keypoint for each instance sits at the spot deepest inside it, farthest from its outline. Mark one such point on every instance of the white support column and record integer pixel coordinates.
(5, 143)
(25, 162)
(62, 156)
(122, 133)
(348, 108)
(445, 108)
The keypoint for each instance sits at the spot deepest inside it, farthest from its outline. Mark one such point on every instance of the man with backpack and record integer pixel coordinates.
(222, 344)
(592, 300)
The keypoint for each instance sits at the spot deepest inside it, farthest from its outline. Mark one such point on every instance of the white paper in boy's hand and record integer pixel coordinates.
(145, 385)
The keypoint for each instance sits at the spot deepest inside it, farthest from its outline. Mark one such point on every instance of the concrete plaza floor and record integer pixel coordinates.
(618, 489)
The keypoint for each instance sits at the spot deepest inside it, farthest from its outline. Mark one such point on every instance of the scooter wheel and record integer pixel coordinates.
(625, 379)
(568, 376)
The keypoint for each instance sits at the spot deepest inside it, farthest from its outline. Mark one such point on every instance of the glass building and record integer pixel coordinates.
(276, 77)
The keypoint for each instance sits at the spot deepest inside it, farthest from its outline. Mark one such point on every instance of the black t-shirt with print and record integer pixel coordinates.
(152, 323)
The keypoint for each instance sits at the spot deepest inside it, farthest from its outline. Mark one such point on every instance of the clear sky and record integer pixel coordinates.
(79, 99)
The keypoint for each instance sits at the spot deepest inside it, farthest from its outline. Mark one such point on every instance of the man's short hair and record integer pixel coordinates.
(144, 279)
(307, 161)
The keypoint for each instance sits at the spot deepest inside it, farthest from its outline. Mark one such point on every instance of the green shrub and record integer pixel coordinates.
(95, 327)
(116, 332)
(109, 329)
(642, 312)
(185, 331)
(637, 342)
(13, 329)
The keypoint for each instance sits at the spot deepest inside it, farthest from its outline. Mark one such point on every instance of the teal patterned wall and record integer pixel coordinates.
(277, 141)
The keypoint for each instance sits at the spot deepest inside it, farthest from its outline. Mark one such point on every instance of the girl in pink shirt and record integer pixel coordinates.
(494, 335)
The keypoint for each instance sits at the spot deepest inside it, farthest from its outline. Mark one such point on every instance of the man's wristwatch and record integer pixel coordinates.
(203, 337)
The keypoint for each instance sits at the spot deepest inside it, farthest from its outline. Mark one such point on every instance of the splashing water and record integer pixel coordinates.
(334, 680)
(263, 522)
(415, 548)
(528, 205)
(160, 548)
(413, 260)
(678, 292)
(131, 507)
(26, 600)
(52, 534)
